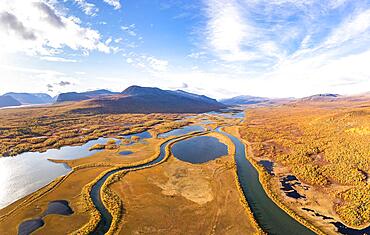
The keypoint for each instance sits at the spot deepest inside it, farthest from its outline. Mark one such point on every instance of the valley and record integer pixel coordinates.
(210, 117)
(153, 173)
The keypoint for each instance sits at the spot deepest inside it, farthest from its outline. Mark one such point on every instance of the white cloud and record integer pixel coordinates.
(350, 29)
(197, 55)
(147, 63)
(130, 30)
(88, 8)
(57, 59)
(35, 27)
(260, 48)
(115, 3)
(157, 64)
(227, 31)
(118, 40)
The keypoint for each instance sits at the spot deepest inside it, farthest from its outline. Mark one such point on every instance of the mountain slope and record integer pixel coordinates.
(137, 99)
(6, 101)
(31, 98)
(244, 99)
(75, 96)
(322, 97)
(195, 96)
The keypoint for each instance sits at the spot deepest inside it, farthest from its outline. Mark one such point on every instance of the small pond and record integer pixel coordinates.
(126, 153)
(268, 165)
(142, 135)
(340, 227)
(181, 131)
(58, 207)
(287, 183)
(199, 149)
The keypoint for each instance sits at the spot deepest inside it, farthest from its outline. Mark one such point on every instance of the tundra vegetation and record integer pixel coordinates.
(324, 145)
(39, 129)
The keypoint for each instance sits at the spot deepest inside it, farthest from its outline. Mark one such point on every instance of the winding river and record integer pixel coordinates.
(271, 218)
(106, 217)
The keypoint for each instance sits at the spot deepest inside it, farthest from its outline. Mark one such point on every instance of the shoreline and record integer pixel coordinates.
(95, 218)
(263, 177)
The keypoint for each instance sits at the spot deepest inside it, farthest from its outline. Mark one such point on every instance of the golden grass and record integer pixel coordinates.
(325, 145)
(42, 128)
(114, 204)
(264, 178)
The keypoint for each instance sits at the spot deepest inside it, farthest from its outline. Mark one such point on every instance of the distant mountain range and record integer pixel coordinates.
(321, 97)
(136, 99)
(255, 100)
(17, 99)
(7, 101)
(244, 99)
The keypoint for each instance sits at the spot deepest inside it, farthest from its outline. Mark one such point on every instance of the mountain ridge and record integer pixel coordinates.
(31, 98)
(136, 99)
(7, 101)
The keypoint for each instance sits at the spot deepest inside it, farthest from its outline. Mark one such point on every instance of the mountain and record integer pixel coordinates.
(195, 96)
(138, 90)
(244, 99)
(75, 96)
(136, 99)
(6, 101)
(31, 98)
(321, 97)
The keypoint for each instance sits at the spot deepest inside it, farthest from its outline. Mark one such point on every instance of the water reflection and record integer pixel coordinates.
(27, 172)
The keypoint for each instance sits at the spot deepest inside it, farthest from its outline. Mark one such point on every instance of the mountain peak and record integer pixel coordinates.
(323, 96)
(139, 90)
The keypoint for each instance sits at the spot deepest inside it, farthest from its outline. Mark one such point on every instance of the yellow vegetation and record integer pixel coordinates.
(321, 145)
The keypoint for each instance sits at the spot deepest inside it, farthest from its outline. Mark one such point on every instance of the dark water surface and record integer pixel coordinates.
(269, 216)
(268, 165)
(181, 131)
(106, 220)
(199, 149)
(58, 207)
(340, 227)
(287, 183)
(29, 226)
(124, 153)
(142, 135)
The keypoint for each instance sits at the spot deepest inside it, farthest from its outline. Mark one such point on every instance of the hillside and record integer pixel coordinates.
(325, 145)
(6, 101)
(137, 99)
(322, 97)
(31, 98)
(75, 96)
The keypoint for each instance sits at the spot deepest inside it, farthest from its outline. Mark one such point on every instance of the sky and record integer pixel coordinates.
(220, 48)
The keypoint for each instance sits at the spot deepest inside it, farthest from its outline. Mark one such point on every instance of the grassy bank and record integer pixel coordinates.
(243, 201)
(112, 201)
(264, 178)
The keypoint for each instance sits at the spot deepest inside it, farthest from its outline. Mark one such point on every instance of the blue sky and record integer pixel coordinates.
(221, 48)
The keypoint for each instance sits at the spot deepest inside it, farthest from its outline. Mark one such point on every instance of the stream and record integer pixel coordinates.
(270, 217)
(106, 217)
